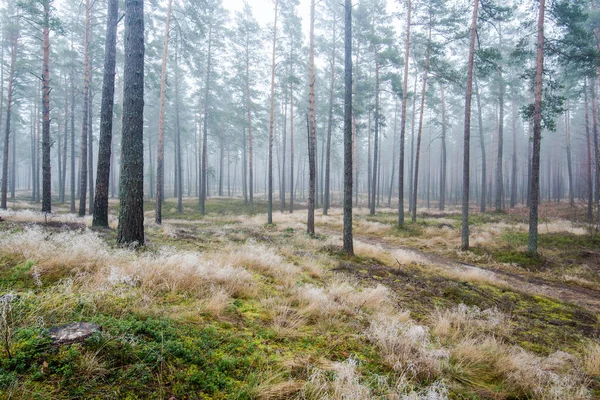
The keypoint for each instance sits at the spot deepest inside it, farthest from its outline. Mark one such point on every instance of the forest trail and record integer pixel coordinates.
(583, 297)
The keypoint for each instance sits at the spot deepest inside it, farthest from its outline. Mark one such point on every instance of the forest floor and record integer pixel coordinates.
(224, 306)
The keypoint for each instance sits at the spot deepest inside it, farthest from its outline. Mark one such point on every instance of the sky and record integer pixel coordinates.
(263, 10)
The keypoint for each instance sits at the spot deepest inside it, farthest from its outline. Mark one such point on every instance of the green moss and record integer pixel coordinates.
(15, 274)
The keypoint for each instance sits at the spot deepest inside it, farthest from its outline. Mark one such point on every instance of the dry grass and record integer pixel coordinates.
(341, 297)
(406, 347)
(591, 359)
(345, 385)
(464, 322)
(296, 293)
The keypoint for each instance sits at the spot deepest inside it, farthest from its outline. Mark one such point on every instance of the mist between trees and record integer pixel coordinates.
(486, 104)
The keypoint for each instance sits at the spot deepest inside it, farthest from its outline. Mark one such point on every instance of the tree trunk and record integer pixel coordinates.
(393, 166)
(330, 119)
(178, 167)
(590, 184)
(283, 142)
(419, 133)
(106, 117)
(569, 161)
(160, 159)
(14, 45)
(499, 176)
(131, 191)
(411, 174)
(291, 147)
(272, 121)
(46, 168)
(249, 112)
(312, 130)
(83, 145)
(537, 134)
(90, 153)
(348, 242)
(62, 189)
(443, 154)
(483, 155)
(513, 190)
(375, 142)
(73, 172)
(203, 185)
(467, 134)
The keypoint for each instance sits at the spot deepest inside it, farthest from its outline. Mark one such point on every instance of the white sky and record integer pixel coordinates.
(263, 10)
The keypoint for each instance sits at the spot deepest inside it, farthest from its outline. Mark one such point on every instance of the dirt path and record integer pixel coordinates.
(583, 297)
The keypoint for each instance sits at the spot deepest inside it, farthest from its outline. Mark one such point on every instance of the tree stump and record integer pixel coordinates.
(73, 333)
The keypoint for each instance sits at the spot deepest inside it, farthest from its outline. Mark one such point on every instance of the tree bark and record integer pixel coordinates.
(14, 45)
(348, 242)
(393, 167)
(483, 154)
(590, 184)
(62, 189)
(46, 166)
(160, 159)
(513, 191)
(499, 176)
(443, 153)
(420, 131)
(467, 132)
(100, 218)
(90, 152)
(73, 172)
(272, 121)
(83, 145)
(131, 191)
(330, 118)
(249, 112)
(375, 142)
(537, 134)
(203, 185)
(569, 161)
(178, 167)
(312, 131)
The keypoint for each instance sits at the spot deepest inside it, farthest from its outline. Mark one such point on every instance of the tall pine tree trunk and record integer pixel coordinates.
(14, 44)
(291, 147)
(83, 145)
(393, 167)
(178, 167)
(131, 191)
(467, 133)
(272, 122)
(72, 117)
(62, 189)
(420, 132)
(537, 134)
(106, 117)
(513, 190)
(46, 168)
(348, 242)
(569, 161)
(312, 129)
(90, 153)
(499, 164)
(204, 185)
(160, 159)
(330, 118)
(443, 154)
(590, 184)
(483, 198)
(249, 112)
